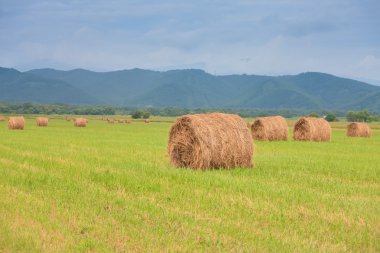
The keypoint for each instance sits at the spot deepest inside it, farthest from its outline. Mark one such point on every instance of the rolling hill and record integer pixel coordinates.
(190, 88)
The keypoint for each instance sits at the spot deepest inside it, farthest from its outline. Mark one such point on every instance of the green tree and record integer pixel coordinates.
(146, 115)
(360, 116)
(137, 114)
(330, 117)
(314, 115)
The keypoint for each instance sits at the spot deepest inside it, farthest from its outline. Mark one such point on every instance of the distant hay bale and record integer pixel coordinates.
(42, 121)
(270, 129)
(312, 129)
(16, 123)
(80, 122)
(214, 140)
(110, 121)
(127, 121)
(147, 121)
(357, 129)
(2, 118)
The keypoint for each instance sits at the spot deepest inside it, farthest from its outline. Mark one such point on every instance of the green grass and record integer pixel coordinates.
(109, 188)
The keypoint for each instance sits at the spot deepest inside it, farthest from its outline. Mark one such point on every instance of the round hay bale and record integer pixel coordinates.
(128, 121)
(357, 129)
(42, 121)
(270, 129)
(312, 129)
(110, 121)
(215, 140)
(16, 123)
(147, 121)
(80, 122)
(2, 118)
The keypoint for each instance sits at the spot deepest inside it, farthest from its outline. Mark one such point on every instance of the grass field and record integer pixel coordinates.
(108, 187)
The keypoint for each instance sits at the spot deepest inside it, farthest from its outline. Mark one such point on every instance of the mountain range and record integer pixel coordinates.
(190, 88)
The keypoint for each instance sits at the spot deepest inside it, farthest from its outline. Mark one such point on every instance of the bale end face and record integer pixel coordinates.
(16, 123)
(80, 122)
(42, 121)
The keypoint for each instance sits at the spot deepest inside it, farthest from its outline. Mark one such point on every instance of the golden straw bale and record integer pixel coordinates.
(312, 129)
(147, 121)
(270, 129)
(80, 122)
(42, 121)
(357, 129)
(215, 140)
(16, 123)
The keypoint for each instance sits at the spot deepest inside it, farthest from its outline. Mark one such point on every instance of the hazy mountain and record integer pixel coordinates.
(188, 88)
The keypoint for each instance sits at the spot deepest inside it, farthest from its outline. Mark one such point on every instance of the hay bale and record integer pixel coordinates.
(42, 121)
(2, 118)
(312, 129)
(214, 140)
(147, 121)
(270, 129)
(110, 121)
(127, 121)
(80, 122)
(16, 123)
(357, 129)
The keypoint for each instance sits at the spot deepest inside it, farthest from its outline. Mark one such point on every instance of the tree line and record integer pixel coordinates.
(64, 109)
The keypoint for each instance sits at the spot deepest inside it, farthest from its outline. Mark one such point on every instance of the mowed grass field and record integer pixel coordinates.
(109, 188)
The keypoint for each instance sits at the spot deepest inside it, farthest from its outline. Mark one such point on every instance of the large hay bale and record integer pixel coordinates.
(42, 121)
(270, 129)
(312, 129)
(2, 118)
(80, 122)
(357, 129)
(214, 140)
(16, 123)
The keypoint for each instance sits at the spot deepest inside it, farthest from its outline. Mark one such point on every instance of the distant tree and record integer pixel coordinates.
(360, 116)
(137, 114)
(314, 115)
(330, 117)
(146, 115)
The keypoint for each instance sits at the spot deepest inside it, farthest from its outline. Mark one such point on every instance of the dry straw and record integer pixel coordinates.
(216, 140)
(357, 129)
(42, 121)
(270, 129)
(312, 129)
(80, 122)
(16, 123)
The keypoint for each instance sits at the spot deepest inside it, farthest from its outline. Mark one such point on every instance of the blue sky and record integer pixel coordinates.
(271, 37)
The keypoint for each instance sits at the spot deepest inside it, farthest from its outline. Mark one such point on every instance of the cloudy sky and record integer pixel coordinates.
(271, 37)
